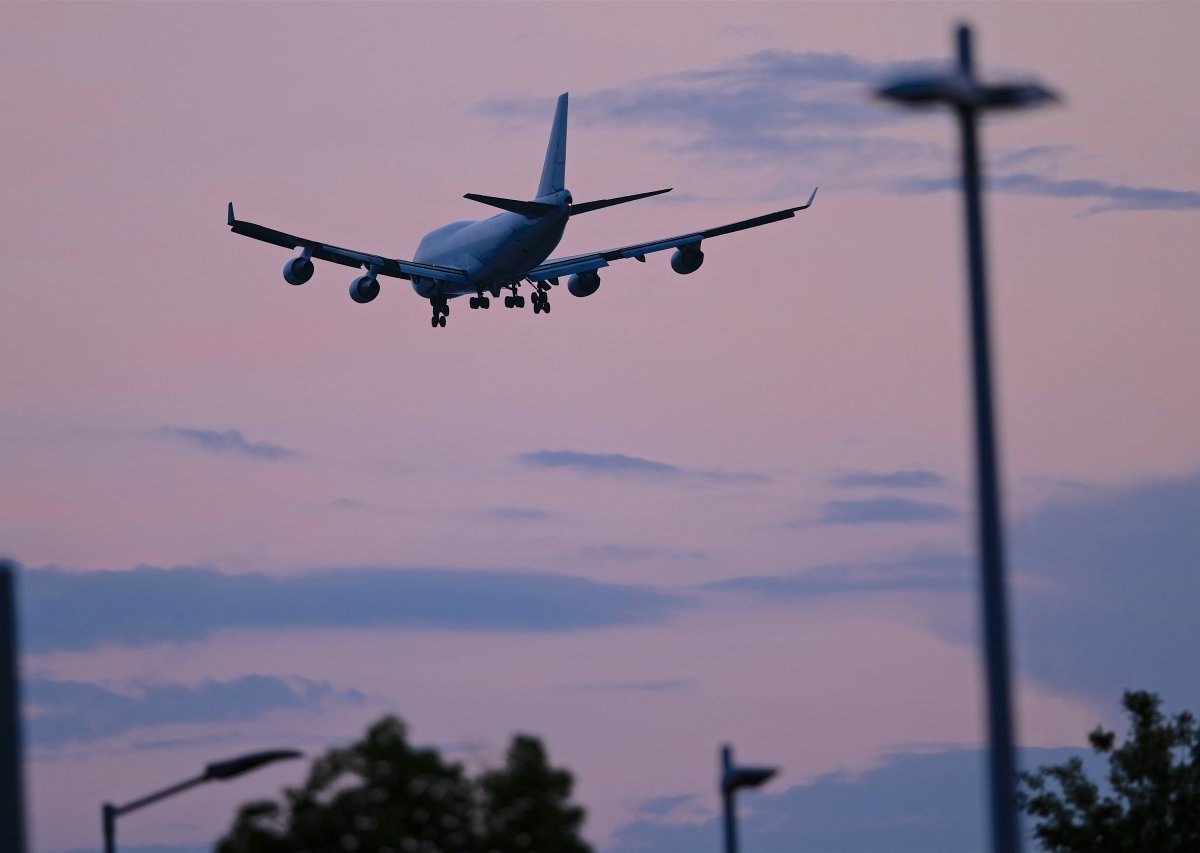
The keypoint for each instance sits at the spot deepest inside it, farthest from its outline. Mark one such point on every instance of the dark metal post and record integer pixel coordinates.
(1005, 833)
(968, 97)
(108, 815)
(12, 805)
(727, 801)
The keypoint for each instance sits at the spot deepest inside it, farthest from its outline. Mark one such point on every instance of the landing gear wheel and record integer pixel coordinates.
(442, 321)
(508, 302)
(485, 303)
(473, 302)
(433, 321)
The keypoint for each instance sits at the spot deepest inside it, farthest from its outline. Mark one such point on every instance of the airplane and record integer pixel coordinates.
(478, 258)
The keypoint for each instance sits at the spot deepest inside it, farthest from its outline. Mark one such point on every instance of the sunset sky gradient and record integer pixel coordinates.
(728, 507)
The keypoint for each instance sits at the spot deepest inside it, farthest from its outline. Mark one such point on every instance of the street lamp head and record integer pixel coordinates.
(736, 778)
(244, 764)
(960, 89)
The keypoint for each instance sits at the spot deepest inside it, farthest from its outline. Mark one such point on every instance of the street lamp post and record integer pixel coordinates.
(218, 770)
(968, 97)
(733, 778)
(12, 806)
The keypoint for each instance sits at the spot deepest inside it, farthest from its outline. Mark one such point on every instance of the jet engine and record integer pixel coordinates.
(687, 259)
(298, 270)
(584, 283)
(364, 288)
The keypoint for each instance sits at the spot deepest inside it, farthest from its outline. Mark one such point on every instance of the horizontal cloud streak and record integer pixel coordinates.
(519, 513)
(938, 572)
(605, 463)
(754, 112)
(1109, 195)
(662, 686)
(63, 712)
(885, 511)
(231, 441)
(911, 479)
(626, 553)
(634, 467)
(73, 610)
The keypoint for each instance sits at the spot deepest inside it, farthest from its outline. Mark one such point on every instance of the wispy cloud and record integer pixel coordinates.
(635, 467)
(63, 712)
(602, 463)
(910, 479)
(519, 513)
(1107, 195)
(633, 553)
(664, 685)
(348, 503)
(73, 610)
(662, 806)
(912, 803)
(931, 572)
(763, 113)
(229, 442)
(885, 511)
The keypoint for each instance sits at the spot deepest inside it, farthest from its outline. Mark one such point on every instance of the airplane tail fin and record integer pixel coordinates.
(554, 169)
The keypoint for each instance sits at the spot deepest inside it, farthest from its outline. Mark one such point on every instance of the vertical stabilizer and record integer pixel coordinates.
(554, 170)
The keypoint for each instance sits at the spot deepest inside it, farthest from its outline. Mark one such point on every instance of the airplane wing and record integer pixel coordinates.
(556, 267)
(347, 257)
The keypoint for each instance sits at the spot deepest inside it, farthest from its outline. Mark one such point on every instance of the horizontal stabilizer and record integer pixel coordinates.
(532, 209)
(588, 206)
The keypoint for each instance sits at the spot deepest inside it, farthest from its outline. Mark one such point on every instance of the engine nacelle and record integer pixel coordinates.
(584, 283)
(298, 270)
(364, 288)
(687, 259)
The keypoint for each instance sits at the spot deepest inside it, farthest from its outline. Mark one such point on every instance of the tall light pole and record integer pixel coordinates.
(968, 97)
(218, 770)
(12, 806)
(732, 778)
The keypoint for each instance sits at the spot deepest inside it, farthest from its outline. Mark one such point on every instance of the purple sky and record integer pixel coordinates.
(732, 506)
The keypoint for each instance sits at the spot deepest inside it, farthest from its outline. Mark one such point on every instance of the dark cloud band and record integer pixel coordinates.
(80, 610)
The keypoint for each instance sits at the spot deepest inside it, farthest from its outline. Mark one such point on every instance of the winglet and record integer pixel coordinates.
(808, 203)
(231, 218)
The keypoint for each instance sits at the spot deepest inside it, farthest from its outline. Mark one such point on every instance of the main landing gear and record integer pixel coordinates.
(441, 310)
(541, 298)
(480, 302)
(514, 301)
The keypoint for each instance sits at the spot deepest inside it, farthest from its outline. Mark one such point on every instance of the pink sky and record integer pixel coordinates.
(826, 344)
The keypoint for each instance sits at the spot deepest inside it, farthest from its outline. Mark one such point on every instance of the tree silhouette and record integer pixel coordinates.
(382, 795)
(526, 804)
(1153, 801)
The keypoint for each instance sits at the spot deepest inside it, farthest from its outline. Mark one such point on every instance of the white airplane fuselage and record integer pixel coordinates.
(495, 252)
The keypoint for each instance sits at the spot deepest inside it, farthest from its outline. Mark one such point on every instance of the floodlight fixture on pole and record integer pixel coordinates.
(733, 779)
(968, 97)
(217, 771)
